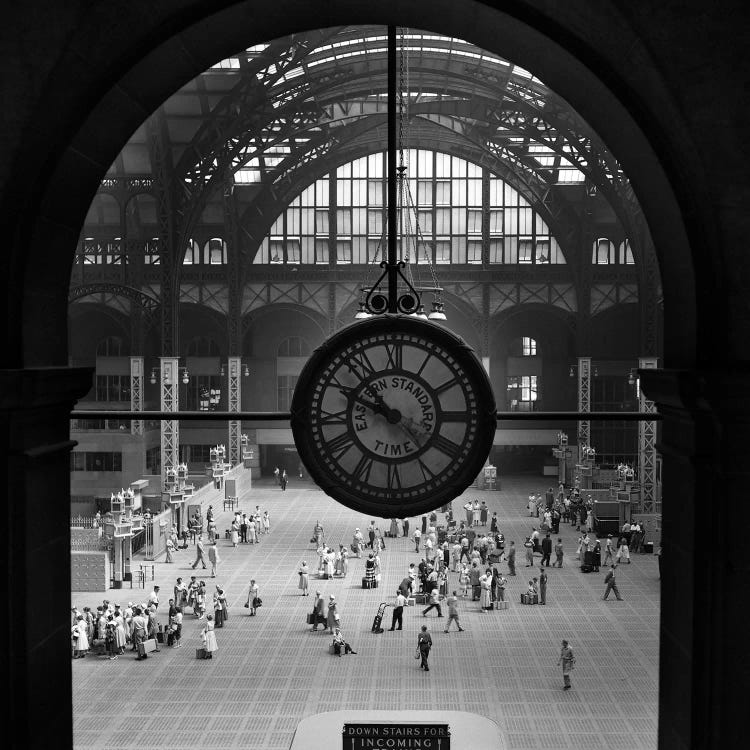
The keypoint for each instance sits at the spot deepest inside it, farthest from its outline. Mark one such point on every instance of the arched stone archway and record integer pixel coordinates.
(623, 68)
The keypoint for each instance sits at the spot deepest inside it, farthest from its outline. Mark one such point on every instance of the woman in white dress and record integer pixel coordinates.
(304, 579)
(209, 637)
(235, 532)
(79, 638)
(121, 638)
(252, 535)
(475, 513)
(330, 562)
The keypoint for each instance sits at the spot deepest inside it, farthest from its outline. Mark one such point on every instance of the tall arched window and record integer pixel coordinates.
(463, 211)
(215, 252)
(111, 346)
(202, 346)
(523, 374)
(291, 356)
(192, 253)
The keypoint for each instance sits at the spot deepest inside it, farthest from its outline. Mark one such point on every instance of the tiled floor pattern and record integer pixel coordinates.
(270, 670)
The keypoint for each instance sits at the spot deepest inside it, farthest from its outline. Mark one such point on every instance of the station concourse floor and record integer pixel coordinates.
(270, 671)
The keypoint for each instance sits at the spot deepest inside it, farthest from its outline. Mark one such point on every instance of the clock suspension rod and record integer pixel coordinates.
(281, 416)
(392, 263)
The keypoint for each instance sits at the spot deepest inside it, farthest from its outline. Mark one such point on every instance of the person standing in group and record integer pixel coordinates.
(417, 538)
(542, 586)
(546, 550)
(424, 644)
(80, 638)
(511, 558)
(318, 613)
(304, 579)
(609, 579)
(208, 636)
(199, 558)
(170, 550)
(176, 622)
(434, 603)
(358, 543)
(500, 583)
(568, 663)
(485, 584)
(266, 521)
(153, 598)
(253, 597)
(405, 527)
(200, 601)
(235, 533)
(558, 554)
(623, 551)
(213, 558)
(453, 613)
(398, 611)
(140, 625)
(332, 616)
(529, 546)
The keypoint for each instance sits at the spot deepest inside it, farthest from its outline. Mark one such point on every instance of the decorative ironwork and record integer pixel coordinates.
(647, 446)
(584, 400)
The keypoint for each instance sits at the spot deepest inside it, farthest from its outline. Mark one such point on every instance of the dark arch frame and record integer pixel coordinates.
(119, 79)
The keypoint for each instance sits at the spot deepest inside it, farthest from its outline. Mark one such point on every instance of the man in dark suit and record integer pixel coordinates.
(424, 644)
(546, 550)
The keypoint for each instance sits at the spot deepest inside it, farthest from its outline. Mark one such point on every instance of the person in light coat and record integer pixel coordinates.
(208, 636)
(332, 617)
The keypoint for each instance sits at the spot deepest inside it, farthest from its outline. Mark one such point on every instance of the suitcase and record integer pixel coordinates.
(501, 605)
(160, 636)
(146, 647)
(421, 598)
(310, 618)
(410, 601)
(529, 599)
(200, 653)
(369, 584)
(170, 638)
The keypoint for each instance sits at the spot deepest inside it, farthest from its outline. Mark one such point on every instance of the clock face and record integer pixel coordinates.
(393, 416)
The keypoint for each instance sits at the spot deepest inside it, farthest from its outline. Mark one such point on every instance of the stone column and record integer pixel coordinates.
(35, 407)
(704, 666)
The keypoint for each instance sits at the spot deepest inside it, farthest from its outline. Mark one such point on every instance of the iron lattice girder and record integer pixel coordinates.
(234, 368)
(256, 77)
(312, 93)
(584, 399)
(146, 301)
(647, 444)
(136, 393)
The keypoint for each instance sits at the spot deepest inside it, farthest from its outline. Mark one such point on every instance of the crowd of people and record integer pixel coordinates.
(465, 548)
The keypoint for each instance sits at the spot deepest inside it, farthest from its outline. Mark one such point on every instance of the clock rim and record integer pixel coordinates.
(444, 339)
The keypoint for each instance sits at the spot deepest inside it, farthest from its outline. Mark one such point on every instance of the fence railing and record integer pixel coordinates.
(83, 522)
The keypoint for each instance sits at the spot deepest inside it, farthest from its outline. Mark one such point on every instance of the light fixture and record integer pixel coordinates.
(152, 379)
(572, 372)
(420, 312)
(223, 370)
(437, 312)
(362, 313)
(185, 375)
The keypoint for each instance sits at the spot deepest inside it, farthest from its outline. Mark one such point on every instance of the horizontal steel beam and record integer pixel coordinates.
(280, 416)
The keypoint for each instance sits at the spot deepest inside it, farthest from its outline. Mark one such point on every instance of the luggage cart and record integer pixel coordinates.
(377, 623)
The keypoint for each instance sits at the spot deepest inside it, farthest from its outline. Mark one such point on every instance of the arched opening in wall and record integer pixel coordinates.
(648, 171)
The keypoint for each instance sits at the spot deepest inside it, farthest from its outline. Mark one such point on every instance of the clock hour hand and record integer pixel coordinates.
(378, 406)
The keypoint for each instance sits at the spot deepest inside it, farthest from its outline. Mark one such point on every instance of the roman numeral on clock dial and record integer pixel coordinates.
(340, 445)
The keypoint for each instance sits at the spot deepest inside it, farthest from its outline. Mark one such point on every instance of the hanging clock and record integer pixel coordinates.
(393, 416)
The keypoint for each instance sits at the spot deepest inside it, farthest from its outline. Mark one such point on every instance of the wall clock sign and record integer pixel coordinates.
(393, 416)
